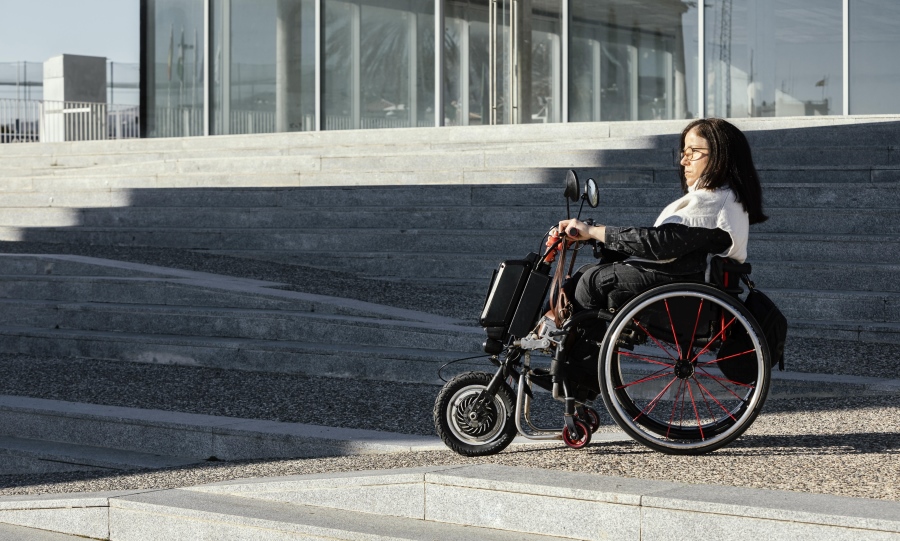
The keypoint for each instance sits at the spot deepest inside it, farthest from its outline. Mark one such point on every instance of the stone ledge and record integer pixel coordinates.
(348, 506)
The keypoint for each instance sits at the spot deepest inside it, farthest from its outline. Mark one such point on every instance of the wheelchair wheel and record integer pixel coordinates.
(660, 372)
(474, 431)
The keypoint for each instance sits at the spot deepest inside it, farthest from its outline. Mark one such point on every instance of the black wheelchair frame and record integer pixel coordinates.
(682, 368)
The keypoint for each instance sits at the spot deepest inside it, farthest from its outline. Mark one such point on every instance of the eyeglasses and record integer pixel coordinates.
(692, 154)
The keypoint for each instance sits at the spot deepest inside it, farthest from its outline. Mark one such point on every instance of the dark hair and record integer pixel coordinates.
(730, 164)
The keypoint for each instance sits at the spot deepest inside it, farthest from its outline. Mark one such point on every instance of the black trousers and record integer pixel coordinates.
(610, 285)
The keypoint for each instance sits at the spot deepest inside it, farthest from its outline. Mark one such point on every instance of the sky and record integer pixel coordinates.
(35, 30)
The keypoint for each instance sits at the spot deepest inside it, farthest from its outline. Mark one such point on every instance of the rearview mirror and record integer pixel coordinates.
(573, 191)
(592, 193)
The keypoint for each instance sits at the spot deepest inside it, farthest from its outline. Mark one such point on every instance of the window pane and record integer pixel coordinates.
(632, 60)
(774, 58)
(466, 63)
(538, 48)
(379, 65)
(263, 76)
(874, 62)
(175, 68)
(545, 60)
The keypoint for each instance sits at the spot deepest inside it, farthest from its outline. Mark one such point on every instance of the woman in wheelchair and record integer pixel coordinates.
(682, 369)
(722, 198)
(682, 366)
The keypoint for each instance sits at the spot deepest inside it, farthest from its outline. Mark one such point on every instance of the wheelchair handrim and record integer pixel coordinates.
(663, 434)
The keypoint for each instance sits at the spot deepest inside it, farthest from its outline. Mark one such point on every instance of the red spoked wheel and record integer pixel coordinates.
(684, 368)
(579, 440)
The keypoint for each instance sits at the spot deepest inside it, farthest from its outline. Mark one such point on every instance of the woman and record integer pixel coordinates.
(722, 198)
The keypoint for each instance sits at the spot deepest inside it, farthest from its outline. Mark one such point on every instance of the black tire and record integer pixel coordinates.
(659, 371)
(474, 433)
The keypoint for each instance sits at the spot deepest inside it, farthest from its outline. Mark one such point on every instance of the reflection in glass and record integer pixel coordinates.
(263, 77)
(379, 65)
(475, 95)
(874, 62)
(774, 58)
(175, 68)
(546, 67)
(466, 63)
(629, 60)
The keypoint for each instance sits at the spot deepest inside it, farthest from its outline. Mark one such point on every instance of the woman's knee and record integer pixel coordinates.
(594, 286)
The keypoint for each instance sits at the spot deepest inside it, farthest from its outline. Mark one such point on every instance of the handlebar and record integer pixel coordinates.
(558, 237)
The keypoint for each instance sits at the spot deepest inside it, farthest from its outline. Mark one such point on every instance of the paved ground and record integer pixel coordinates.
(829, 438)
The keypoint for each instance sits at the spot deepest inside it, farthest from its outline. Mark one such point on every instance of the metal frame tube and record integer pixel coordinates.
(522, 409)
(319, 21)
(701, 60)
(207, 41)
(845, 64)
(564, 61)
(439, 63)
(492, 60)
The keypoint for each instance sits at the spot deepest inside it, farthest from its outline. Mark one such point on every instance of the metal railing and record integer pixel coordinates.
(28, 121)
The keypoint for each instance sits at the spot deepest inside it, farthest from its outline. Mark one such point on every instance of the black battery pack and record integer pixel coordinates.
(507, 284)
(515, 298)
(530, 303)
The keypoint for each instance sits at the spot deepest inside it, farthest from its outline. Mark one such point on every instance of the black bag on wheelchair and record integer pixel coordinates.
(774, 324)
(774, 328)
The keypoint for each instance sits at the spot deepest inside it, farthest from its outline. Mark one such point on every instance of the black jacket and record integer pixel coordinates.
(688, 246)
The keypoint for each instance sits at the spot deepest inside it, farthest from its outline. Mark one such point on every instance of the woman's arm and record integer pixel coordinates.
(668, 241)
(578, 230)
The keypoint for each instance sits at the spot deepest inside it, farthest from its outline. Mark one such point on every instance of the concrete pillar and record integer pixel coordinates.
(71, 77)
(74, 98)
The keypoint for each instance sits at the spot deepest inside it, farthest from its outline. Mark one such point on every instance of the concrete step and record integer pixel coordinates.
(515, 244)
(443, 168)
(29, 456)
(476, 269)
(416, 365)
(812, 246)
(851, 307)
(9, 532)
(811, 131)
(855, 221)
(813, 140)
(436, 503)
(169, 205)
(116, 434)
(261, 325)
(404, 516)
(188, 288)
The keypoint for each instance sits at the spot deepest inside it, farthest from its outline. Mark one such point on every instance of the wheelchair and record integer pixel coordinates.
(682, 368)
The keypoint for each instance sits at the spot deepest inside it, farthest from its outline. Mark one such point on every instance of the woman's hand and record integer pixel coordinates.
(578, 230)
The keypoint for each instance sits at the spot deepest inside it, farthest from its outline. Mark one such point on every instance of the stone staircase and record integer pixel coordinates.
(48, 436)
(435, 206)
(102, 309)
(480, 502)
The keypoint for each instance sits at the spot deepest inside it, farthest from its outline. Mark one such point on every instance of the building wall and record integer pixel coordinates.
(260, 66)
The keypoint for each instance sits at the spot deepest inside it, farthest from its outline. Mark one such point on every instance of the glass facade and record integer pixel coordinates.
(632, 60)
(378, 64)
(261, 66)
(509, 57)
(173, 58)
(874, 62)
(774, 58)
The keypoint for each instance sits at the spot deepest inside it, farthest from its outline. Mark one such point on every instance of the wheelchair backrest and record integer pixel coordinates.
(725, 274)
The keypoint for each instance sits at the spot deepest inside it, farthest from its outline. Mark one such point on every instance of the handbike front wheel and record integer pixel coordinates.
(684, 369)
(470, 429)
